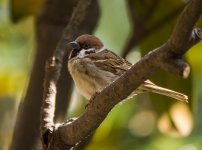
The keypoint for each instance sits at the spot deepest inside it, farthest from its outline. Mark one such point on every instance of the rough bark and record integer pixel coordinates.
(167, 57)
(50, 24)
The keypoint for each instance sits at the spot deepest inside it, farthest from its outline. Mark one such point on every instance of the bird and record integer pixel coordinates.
(93, 67)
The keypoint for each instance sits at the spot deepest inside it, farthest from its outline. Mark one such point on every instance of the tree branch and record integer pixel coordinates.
(139, 33)
(167, 57)
(98, 109)
(63, 97)
(49, 26)
(54, 65)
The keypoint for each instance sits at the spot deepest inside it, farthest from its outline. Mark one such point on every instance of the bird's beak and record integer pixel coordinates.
(74, 45)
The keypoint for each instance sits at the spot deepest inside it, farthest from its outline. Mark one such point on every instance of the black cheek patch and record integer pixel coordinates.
(73, 53)
(89, 51)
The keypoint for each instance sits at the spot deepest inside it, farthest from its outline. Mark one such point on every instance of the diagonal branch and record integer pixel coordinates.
(139, 33)
(167, 57)
(98, 109)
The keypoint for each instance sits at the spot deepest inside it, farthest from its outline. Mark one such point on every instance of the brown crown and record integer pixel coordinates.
(91, 40)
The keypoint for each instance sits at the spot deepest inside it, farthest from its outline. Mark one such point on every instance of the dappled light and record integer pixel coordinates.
(34, 70)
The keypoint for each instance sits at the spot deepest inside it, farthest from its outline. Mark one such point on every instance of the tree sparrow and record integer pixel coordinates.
(93, 67)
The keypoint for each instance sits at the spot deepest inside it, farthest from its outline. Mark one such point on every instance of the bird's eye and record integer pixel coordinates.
(86, 46)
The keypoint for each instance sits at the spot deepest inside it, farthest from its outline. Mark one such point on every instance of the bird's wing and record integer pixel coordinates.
(109, 61)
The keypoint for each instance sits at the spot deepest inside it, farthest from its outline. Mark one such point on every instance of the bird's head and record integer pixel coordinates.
(84, 45)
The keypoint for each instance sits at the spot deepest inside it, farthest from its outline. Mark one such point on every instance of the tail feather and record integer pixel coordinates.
(151, 87)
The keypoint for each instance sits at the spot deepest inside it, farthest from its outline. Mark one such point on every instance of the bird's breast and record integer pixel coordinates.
(88, 78)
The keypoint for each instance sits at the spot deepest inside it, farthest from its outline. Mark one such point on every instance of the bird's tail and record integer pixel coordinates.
(148, 86)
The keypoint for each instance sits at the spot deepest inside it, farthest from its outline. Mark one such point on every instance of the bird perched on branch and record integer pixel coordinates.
(93, 67)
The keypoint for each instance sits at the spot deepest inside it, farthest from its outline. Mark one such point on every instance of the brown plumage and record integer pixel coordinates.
(93, 68)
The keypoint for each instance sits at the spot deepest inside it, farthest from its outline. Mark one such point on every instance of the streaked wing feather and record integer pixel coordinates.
(111, 62)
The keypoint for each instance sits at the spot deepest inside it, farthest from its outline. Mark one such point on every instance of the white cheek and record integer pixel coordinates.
(82, 53)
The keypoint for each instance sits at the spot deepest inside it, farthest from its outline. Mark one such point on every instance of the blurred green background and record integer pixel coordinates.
(146, 122)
